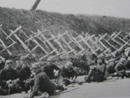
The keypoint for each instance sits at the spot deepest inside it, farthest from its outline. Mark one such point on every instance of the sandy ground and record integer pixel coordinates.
(112, 88)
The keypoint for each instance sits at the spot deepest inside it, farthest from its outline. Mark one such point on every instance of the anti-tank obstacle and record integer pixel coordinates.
(38, 44)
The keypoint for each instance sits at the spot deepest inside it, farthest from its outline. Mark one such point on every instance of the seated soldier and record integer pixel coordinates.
(3, 91)
(49, 68)
(120, 68)
(117, 54)
(24, 73)
(89, 59)
(42, 83)
(97, 73)
(110, 66)
(18, 65)
(127, 54)
(81, 64)
(8, 77)
(69, 74)
(2, 63)
(68, 71)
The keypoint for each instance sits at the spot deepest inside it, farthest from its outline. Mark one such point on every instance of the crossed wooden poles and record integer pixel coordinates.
(63, 44)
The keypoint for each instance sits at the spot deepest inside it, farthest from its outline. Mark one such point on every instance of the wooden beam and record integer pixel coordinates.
(35, 41)
(12, 33)
(73, 40)
(87, 43)
(46, 55)
(59, 44)
(99, 41)
(57, 41)
(113, 35)
(22, 43)
(24, 33)
(102, 44)
(92, 42)
(77, 37)
(5, 47)
(119, 39)
(0, 25)
(67, 53)
(127, 35)
(6, 34)
(32, 50)
(116, 35)
(53, 38)
(35, 5)
(58, 54)
(60, 36)
(83, 34)
(110, 44)
(77, 43)
(69, 47)
(90, 37)
(49, 42)
(32, 37)
(101, 38)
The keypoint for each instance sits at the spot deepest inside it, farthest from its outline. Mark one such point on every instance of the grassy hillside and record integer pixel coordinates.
(33, 20)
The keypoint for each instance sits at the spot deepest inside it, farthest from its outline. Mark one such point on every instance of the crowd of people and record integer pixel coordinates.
(21, 75)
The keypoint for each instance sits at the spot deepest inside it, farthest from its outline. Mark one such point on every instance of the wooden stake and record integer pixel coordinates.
(32, 37)
(46, 55)
(6, 34)
(12, 33)
(49, 43)
(86, 43)
(32, 50)
(5, 47)
(22, 43)
(69, 47)
(110, 44)
(35, 41)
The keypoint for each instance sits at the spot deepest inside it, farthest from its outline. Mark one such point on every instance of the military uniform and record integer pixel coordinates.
(43, 84)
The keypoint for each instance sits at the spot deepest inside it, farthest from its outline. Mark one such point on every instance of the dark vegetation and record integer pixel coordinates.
(55, 22)
(33, 20)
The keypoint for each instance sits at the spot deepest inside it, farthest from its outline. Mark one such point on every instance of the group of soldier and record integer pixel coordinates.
(38, 77)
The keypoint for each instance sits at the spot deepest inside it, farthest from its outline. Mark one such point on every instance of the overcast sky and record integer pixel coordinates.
(118, 8)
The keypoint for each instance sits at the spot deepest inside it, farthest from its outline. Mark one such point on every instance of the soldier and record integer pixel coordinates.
(24, 73)
(42, 83)
(110, 66)
(2, 63)
(49, 68)
(127, 54)
(68, 71)
(8, 73)
(120, 68)
(89, 59)
(8, 77)
(3, 91)
(98, 72)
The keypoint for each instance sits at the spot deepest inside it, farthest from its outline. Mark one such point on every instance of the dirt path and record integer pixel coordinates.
(117, 88)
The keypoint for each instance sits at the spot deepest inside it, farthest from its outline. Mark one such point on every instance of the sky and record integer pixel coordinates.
(117, 8)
